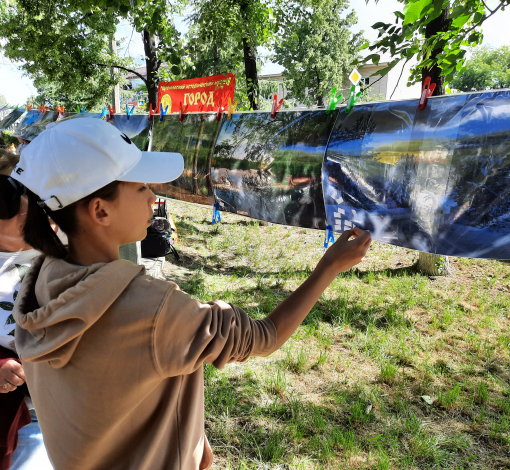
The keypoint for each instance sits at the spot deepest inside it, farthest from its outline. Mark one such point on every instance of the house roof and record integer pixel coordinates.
(141, 70)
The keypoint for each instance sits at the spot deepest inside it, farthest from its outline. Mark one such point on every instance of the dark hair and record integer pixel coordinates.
(10, 197)
(37, 231)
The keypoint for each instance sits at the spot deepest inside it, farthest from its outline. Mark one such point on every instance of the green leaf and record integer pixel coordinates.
(175, 59)
(175, 70)
(10, 320)
(380, 25)
(375, 58)
(413, 11)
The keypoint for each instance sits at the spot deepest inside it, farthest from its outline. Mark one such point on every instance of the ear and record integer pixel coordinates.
(99, 212)
(23, 205)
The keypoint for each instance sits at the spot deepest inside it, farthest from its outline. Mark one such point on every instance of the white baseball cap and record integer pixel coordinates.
(74, 158)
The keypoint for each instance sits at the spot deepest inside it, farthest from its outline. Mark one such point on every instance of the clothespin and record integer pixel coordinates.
(42, 108)
(111, 112)
(129, 113)
(276, 106)
(29, 107)
(103, 112)
(353, 97)
(231, 108)
(216, 217)
(182, 112)
(84, 108)
(162, 113)
(329, 236)
(60, 109)
(220, 111)
(333, 100)
(151, 112)
(426, 93)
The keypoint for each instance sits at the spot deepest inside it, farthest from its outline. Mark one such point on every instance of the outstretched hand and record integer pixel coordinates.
(341, 256)
(345, 253)
(11, 376)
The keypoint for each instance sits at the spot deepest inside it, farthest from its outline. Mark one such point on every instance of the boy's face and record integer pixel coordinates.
(132, 212)
(124, 220)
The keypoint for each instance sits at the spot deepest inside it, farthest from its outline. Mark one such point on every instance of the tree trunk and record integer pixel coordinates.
(196, 189)
(440, 24)
(210, 189)
(116, 88)
(428, 263)
(252, 77)
(433, 265)
(320, 99)
(152, 65)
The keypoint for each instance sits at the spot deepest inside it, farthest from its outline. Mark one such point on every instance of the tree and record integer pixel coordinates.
(432, 32)
(248, 23)
(66, 52)
(204, 59)
(69, 47)
(317, 50)
(488, 69)
(435, 33)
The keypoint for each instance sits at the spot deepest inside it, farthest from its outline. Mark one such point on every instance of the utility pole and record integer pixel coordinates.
(116, 88)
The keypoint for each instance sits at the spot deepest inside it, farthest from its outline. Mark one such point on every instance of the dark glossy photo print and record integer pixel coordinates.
(136, 127)
(11, 118)
(476, 207)
(270, 169)
(193, 137)
(435, 180)
(32, 131)
(28, 118)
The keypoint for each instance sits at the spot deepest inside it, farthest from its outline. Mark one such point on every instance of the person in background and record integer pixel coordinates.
(21, 442)
(22, 145)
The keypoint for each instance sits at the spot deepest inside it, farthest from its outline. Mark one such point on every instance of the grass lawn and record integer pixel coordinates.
(391, 369)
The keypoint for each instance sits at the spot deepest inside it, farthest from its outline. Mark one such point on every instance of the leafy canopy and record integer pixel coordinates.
(59, 45)
(488, 69)
(406, 39)
(317, 50)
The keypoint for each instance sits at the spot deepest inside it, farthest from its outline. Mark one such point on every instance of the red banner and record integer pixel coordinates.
(199, 94)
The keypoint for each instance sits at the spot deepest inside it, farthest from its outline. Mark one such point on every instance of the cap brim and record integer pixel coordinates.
(156, 167)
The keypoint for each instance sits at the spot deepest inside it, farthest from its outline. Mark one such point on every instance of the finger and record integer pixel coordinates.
(347, 234)
(13, 379)
(8, 388)
(17, 369)
(368, 242)
(363, 237)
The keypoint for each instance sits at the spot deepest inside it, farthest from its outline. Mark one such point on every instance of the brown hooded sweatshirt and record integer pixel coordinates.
(113, 360)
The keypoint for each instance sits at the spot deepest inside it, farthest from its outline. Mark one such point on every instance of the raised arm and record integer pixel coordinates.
(341, 256)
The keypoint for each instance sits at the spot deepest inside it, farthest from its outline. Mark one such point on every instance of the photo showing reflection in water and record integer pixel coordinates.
(270, 169)
(39, 125)
(26, 120)
(194, 138)
(136, 127)
(435, 180)
(11, 118)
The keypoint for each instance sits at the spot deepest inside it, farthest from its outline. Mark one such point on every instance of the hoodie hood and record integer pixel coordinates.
(58, 302)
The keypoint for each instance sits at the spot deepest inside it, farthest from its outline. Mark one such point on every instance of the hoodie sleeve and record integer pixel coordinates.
(188, 333)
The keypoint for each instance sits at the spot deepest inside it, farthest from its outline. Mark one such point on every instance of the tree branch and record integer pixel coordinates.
(398, 81)
(485, 5)
(124, 68)
(502, 3)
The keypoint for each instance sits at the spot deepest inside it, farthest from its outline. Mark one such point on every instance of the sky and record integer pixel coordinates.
(17, 88)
